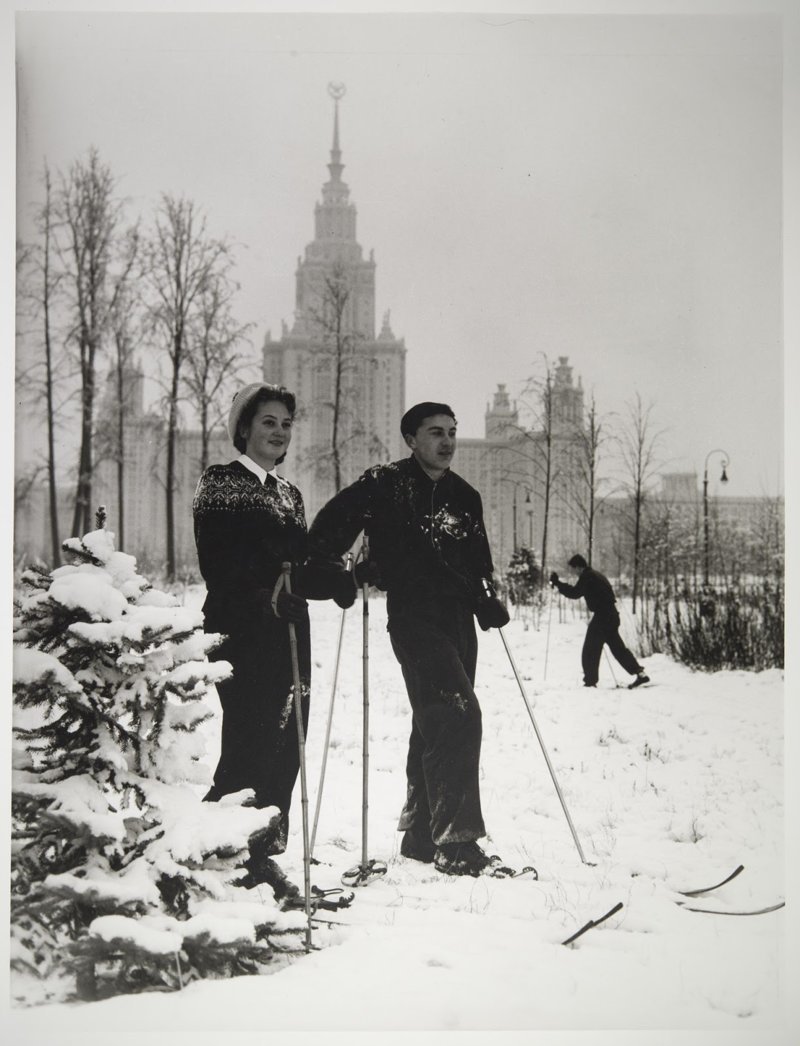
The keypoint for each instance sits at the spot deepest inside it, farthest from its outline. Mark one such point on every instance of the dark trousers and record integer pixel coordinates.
(604, 628)
(438, 657)
(259, 747)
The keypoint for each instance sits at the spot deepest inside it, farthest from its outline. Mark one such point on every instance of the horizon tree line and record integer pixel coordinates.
(95, 290)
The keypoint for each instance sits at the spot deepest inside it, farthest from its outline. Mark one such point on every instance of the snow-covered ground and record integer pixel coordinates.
(669, 787)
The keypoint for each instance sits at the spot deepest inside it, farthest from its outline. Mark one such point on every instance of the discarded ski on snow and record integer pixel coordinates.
(593, 922)
(716, 886)
(721, 911)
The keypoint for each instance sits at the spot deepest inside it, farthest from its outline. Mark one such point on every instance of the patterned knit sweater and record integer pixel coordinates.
(244, 531)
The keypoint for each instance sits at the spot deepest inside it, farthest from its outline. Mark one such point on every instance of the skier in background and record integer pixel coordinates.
(248, 521)
(603, 627)
(429, 553)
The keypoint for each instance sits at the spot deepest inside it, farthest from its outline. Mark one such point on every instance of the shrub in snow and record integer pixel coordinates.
(113, 854)
(737, 624)
(522, 577)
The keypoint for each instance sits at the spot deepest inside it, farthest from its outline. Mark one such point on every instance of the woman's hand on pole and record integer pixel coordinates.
(290, 607)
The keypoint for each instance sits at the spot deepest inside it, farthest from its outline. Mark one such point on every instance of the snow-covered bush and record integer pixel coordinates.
(113, 853)
(736, 624)
(522, 577)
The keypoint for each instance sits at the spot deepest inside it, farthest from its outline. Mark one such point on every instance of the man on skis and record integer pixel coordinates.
(603, 627)
(429, 553)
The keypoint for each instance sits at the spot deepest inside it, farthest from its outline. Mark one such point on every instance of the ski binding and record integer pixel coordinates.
(363, 874)
(498, 870)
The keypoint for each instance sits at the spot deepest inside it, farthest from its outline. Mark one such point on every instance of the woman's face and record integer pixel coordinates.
(269, 433)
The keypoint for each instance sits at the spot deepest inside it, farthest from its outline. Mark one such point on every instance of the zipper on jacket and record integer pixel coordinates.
(433, 538)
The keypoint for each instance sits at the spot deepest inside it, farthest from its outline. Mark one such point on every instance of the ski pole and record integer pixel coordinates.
(544, 750)
(286, 569)
(547, 641)
(367, 870)
(348, 567)
(611, 667)
(365, 694)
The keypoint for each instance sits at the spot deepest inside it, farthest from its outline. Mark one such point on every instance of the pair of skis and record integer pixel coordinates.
(690, 895)
(723, 911)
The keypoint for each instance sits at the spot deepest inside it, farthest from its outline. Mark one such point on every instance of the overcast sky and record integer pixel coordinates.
(602, 188)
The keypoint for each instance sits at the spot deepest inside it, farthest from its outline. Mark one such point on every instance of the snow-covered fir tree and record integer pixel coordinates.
(522, 576)
(121, 877)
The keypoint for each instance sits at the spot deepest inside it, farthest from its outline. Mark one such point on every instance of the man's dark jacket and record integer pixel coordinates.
(426, 537)
(594, 587)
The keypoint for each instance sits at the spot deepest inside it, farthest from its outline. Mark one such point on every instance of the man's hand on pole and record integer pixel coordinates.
(489, 611)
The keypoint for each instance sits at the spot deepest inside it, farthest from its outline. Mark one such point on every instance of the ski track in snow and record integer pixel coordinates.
(669, 788)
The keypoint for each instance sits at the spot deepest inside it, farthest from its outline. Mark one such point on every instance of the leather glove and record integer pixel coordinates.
(291, 607)
(343, 589)
(367, 573)
(491, 613)
(553, 578)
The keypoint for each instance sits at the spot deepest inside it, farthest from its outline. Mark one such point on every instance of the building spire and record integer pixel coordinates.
(336, 91)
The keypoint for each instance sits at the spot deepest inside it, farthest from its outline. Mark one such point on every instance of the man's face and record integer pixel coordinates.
(434, 442)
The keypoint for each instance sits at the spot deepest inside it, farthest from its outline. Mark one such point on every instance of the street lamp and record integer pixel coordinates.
(529, 510)
(723, 479)
(514, 513)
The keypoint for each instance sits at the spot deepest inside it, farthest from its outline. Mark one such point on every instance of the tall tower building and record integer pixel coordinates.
(349, 383)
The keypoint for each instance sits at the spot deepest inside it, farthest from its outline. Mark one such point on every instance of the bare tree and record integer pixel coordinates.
(212, 362)
(90, 216)
(534, 456)
(585, 492)
(768, 534)
(40, 291)
(545, 458)
(24, 482)
(333, 325)
(638, 444)
(123, 323)
(181, 261)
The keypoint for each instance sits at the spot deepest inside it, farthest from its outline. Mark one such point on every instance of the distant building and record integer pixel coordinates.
(746, 534)
(510, 469)
(372, 393)
(334, 326)
(140, 522)
(334, 322)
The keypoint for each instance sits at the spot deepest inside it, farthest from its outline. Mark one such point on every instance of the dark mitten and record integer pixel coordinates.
(327, 579)
(491, 613)
(343, 589)
(554, 578)
(367, 573)
(290, 607)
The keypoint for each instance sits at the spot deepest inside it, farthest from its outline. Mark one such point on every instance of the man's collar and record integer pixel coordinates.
(414, 464)
(255, 468)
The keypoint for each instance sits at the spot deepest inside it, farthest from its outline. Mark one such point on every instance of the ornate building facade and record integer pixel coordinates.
(349, 383)
(530, 478)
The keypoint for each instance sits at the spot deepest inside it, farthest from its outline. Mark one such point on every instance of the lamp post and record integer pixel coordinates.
(517, 483)
(514, 514)
(723, 479)
(529, 510)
